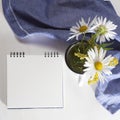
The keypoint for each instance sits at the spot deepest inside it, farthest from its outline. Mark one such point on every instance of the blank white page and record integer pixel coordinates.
(34, 81)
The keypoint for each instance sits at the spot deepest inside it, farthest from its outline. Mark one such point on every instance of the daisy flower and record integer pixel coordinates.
(81, 27)
(97, 66)
(105, 29)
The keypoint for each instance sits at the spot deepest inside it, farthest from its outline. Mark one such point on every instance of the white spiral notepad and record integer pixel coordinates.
(34, 81)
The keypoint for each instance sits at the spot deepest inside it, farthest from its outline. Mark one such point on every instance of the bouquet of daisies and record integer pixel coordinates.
(88, 56)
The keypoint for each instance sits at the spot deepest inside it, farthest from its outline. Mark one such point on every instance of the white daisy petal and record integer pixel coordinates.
(101, 51)
(102, 39)
(103, 55)
(88, 21)
(104, 21)
(107, 71)
(107, 59)
(96, 51)
(97, 40)
(87, 64)
(101, 78)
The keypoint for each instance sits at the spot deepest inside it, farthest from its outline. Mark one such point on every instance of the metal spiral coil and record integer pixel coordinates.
(17, 54)
(51, 54)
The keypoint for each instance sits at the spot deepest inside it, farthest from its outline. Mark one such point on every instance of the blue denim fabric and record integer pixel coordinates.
(108, 93)
(55, 17)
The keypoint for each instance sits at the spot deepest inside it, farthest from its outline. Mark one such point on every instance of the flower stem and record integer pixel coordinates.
(93, 38)
(83, 38)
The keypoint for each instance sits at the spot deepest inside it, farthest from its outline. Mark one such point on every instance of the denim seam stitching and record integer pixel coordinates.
(15, 18)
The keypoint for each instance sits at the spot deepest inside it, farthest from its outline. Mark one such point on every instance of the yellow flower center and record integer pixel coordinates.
(83, 28)
(98, 65)
(113, 62)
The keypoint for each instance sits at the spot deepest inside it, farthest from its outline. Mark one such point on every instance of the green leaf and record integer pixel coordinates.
(106, 46)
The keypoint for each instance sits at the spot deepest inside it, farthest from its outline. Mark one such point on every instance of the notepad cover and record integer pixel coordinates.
(34, 81)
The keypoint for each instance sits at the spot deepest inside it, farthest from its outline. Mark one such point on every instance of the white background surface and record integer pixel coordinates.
(79, 103)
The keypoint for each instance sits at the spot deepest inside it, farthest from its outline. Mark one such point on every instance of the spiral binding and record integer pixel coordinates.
(17, 54)
(22, 54)
(51, 54)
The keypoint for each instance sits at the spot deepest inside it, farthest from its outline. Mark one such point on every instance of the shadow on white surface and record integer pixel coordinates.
(3, 81)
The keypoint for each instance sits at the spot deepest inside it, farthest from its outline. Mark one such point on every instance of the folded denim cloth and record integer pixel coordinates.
(108, 93)
(54, 17)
